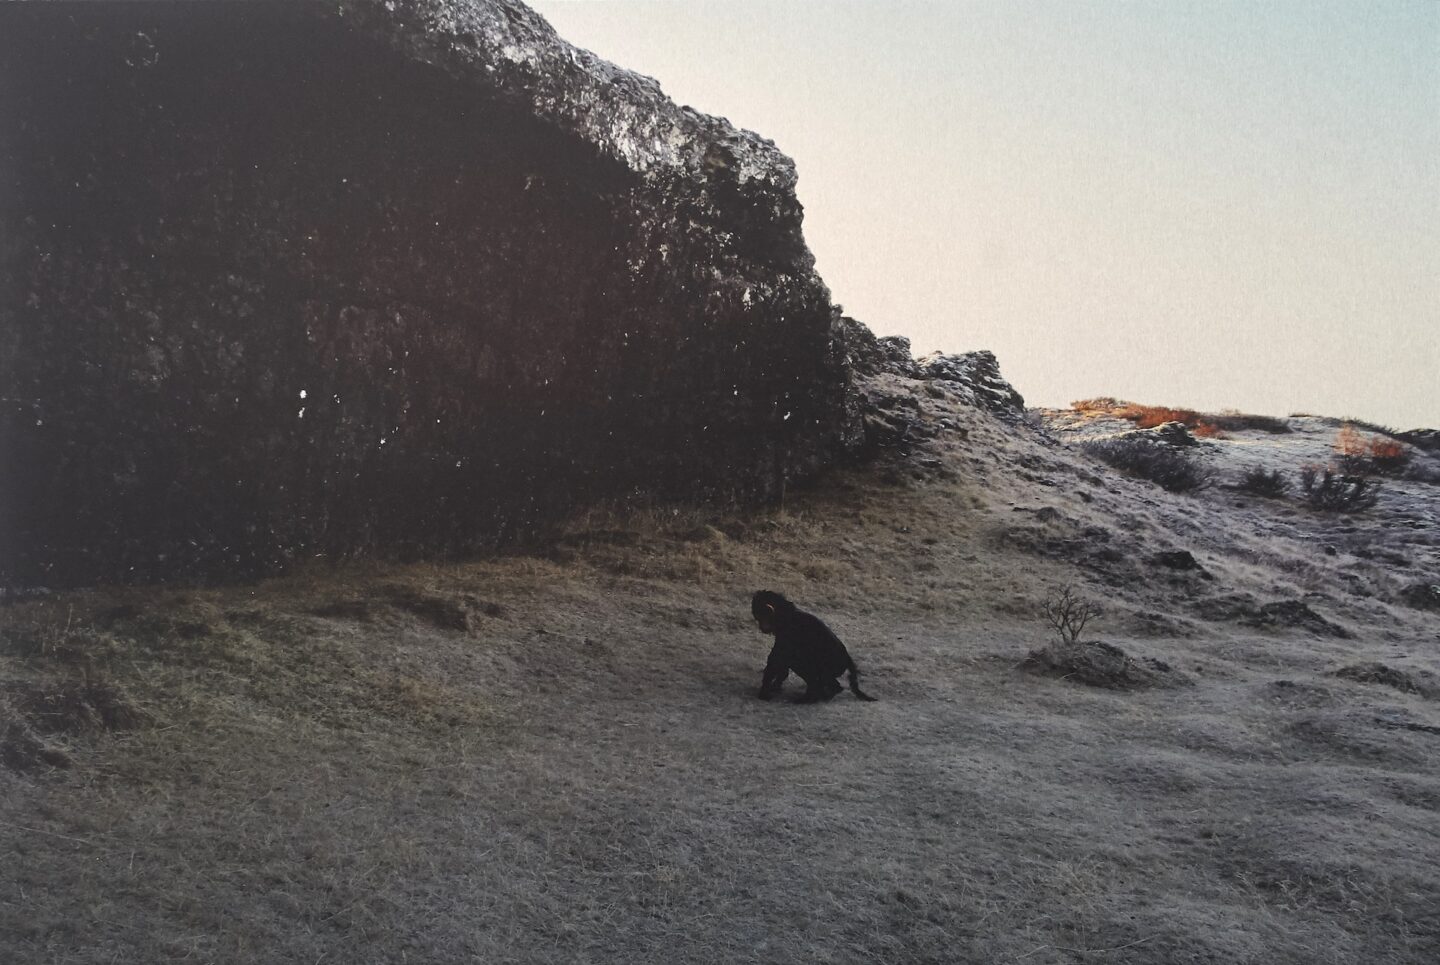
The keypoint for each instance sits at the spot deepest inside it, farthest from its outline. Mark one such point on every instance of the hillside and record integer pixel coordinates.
(557, 756)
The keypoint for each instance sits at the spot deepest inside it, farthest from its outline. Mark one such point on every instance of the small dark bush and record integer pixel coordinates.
(1174, 470)
(1258, 482)
(1427, 471)
(1233, 421)
(1344, 490)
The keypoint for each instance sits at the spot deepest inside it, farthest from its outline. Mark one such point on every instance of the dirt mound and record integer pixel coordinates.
(1422, 596)
(1379, 673)
(31, 712)
(73, 708)
(1276, 615)
(1299, 693)
(20, 748)
(1295, 615)
(1100, 664)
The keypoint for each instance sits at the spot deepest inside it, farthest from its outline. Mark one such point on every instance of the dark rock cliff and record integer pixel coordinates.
(288, 279)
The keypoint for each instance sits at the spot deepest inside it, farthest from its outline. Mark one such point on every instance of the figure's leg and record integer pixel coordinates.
(814, 690)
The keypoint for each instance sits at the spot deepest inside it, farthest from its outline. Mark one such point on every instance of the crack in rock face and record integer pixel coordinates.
(286, 280)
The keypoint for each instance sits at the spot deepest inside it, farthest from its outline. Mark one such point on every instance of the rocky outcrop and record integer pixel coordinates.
(973, 378)
(890, 414)
(976, 378)
(871, 356)
(282, 280)
(1174, 434)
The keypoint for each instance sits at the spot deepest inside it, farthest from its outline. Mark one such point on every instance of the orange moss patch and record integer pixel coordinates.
(1150, 416)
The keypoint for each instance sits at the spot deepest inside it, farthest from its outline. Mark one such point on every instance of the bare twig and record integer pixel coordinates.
(1068, 613)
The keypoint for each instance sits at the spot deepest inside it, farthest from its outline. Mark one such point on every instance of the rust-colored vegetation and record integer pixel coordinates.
(1374, 452)
(1150, 416)
(1206, 425)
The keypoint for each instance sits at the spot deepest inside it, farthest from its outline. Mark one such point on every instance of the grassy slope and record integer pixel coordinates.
(561, 759)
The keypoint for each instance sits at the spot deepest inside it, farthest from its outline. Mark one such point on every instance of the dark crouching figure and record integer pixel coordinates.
(804, 645)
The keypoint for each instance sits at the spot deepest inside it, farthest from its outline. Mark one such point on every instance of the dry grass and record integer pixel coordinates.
(559, 757)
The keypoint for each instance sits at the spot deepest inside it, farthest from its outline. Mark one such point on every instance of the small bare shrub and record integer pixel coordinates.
(1258, 482)
(1067, 613)
(1174, 470)
(1091, 662)
(1335, 490)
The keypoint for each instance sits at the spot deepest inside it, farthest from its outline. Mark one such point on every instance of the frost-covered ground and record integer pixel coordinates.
(559, 757)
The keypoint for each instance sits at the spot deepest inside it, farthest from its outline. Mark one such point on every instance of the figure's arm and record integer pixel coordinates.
(777, 668)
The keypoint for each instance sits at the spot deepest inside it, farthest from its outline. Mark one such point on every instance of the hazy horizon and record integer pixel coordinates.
(1211, 205)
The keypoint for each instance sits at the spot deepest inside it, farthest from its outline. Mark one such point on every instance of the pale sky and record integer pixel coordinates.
(1209, 204)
